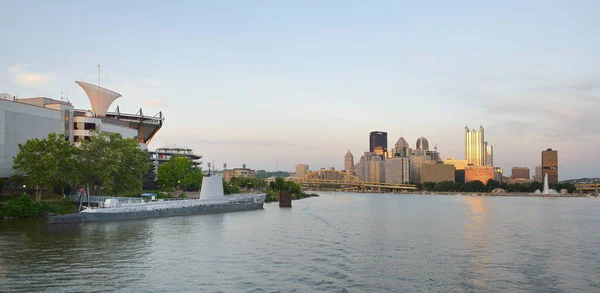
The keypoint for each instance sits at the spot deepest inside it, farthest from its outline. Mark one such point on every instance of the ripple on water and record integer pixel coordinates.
(341, 243)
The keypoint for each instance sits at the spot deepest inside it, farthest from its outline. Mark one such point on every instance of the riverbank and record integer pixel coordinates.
(508, 194)
(23, 206)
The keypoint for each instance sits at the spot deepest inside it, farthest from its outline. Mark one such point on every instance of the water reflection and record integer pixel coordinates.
(352, 242)
(476, 232)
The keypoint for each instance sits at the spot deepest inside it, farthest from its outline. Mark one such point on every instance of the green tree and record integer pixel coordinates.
(230, 187)
(117, 163)
(49, 161)
(473, 186)
(492, 184)
(179, 172)
(429, 186)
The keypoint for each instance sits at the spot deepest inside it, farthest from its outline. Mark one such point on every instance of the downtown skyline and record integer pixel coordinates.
(244, 85)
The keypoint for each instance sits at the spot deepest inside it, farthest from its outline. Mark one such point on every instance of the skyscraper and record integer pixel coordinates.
(349, 162)
(475, 147)
(378, 138)
(422, 144)
(550, 165)
(489, 154)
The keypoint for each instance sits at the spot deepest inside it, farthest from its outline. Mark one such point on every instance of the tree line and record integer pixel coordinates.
(478, 186)
(107, 159)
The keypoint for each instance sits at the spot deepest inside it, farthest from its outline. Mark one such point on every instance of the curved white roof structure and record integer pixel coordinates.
(100, 97)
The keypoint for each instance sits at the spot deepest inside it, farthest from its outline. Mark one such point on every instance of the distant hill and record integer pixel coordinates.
(582, 180)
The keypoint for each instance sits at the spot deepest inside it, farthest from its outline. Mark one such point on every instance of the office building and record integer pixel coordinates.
(401, 149)
(436, 172)
(489, 154)
(375, 169)
(238, 173)
(538, 177)
(416, 166)
(380, 151)
(301, 170)
(475, 152)
(459, 166)
(422, 144)
(349, 162)
(550, 165)
(359, 169)
(28, 118)
(481, 173)
(378, 138)
(397, 170)
(520, 173)
(498, 175)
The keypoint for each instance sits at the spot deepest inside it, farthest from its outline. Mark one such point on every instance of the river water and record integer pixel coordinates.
(333, 243)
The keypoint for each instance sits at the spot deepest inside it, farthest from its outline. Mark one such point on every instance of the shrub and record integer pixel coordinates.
(23, 207)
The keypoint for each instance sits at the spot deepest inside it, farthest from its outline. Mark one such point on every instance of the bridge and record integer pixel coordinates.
(347, 182)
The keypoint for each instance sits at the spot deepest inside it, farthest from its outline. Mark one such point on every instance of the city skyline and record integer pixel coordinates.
(228, 77)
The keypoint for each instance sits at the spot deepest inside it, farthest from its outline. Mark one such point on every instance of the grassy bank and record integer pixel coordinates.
(23, 206)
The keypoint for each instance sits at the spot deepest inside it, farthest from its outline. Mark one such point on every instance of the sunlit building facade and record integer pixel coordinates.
(301, 170)
(349, 162)
(475, 152)
(489, 154)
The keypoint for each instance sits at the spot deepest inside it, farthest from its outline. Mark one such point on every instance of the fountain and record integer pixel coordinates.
(547, 190)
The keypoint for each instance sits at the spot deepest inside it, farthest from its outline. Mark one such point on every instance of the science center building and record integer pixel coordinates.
(27, 118)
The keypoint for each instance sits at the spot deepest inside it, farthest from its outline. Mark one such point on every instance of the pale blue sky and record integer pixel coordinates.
(260, 82)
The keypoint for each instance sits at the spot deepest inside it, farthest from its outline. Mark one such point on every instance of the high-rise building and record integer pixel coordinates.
(397, 170)
(349, 162)
(422, 144)
(359, 169)
(519, 173)
(489, 154)
(401, 149)
(416, 166)
(301, 170)
(375, 169)
(377, 138)
(475, 147)
(538, 177)
(550, 165)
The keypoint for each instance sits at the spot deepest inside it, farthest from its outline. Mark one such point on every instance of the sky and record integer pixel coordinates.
(272, 84)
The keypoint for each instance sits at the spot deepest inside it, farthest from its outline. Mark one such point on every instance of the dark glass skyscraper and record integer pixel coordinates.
(377, 138)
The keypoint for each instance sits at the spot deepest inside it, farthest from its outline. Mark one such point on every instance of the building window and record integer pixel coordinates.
(67, 124)
(89, 126)
(76, 138)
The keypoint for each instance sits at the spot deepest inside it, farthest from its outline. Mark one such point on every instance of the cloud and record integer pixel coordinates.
(564, 117)
(156, 103)
(27, 78)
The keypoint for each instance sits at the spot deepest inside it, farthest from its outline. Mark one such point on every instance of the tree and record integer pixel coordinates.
(492, 184)
(49, 161)
(117, 163)
(179, 172)
(473, 186)
(429, 186)
(230, 188)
